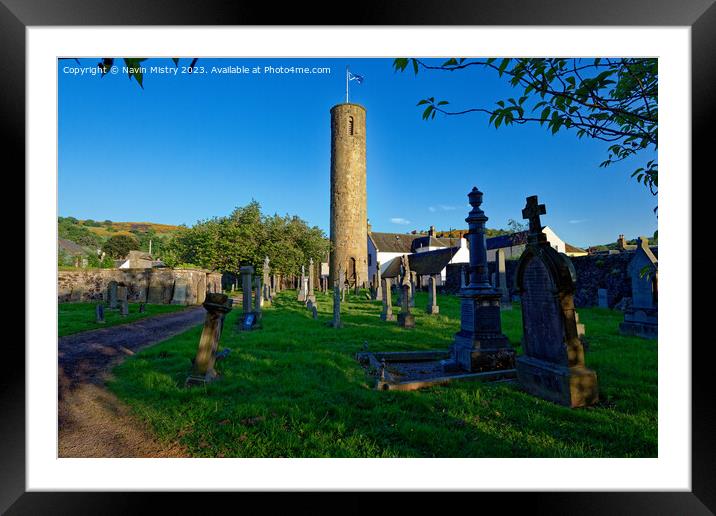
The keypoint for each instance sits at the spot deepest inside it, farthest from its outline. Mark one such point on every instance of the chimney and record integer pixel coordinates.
(621, 244)
(431, 232)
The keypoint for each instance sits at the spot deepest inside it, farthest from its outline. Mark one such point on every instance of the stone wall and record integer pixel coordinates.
(595, 271)
(143, 285)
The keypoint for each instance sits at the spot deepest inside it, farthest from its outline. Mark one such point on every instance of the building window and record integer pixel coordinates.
(350, 125)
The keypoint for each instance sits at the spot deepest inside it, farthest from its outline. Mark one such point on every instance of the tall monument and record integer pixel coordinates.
(349, 218)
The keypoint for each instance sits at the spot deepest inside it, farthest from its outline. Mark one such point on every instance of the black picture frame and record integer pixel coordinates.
(700, 15)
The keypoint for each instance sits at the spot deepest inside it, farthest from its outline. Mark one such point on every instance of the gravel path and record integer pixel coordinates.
(91, 421)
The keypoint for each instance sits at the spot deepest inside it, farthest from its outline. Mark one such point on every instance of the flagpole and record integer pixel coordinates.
(346, 84)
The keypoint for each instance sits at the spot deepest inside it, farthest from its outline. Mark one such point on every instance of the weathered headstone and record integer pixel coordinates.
(314, 311)
(112, 295)
(412, 287)
(387, 313)
(142, 308)
(123, 307)
(302, 286)
(432, 307)
(180, 291)
(216, 306)
(405, 318)
(480, 344)
(553, 364)
(501, 280)
(311, 295)
(336, 322)
(378, 283)
(602, 298)
(266, 291)
(248, 317)
(258, 299)
(99, 313)
(642, 317)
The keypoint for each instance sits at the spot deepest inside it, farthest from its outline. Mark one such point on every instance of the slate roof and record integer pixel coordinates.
(393, 242)
(71, 247)
(502, 241)
(392, 268)
(431, 262)
(431, 241)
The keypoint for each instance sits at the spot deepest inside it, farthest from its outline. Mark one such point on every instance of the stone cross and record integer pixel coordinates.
(246, 273)
(532, 211)
(387, 313)
(216, 306)
(432, 307)
(642, 317)
(552, 366)
(99, 313)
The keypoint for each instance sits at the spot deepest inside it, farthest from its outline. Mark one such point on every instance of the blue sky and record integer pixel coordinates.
(190, 147)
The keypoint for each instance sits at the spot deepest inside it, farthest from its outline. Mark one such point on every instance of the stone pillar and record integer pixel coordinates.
(387, 313)
(302, 286)
(433, 307)
(336, 322)
(480, 344)
(216, 306)
(246, 273)
(311, 296)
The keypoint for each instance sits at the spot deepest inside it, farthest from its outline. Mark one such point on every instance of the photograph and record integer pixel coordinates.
(376, 257)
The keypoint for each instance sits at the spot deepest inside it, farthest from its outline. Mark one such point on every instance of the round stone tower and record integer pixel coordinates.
(349, 217)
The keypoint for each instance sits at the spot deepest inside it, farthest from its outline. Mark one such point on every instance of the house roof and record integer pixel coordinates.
(392, 268)
(431, 262)
(71, 247)
(431, 241)
(393, 242)
(569, 248)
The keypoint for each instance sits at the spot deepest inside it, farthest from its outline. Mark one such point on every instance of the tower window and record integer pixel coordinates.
(350, 125)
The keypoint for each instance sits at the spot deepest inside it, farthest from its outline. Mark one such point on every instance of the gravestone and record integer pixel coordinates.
(387, 313)
(124, 307)
(314, 311)
(336, 322)
(112, 295)
(142, 308)
(501, 280)
(216, 306)
(266, 291)
(602, 298)
(311, 295)
(405, 318)
(180, 291)
(432, 307)
(248, 317)
(641, 319)
(258, 299)
(302, 286)
(553, 364)
(378, 283)
(122, 293)
(480, 345)
(99, 313)
(413, 284)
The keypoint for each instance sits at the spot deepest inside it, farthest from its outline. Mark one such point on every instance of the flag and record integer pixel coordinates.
(355, 77)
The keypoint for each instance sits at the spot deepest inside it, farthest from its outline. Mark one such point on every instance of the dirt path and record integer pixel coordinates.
(93, 422)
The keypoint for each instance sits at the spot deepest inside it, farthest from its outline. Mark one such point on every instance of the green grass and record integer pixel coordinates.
(294, 389)
(77, 317)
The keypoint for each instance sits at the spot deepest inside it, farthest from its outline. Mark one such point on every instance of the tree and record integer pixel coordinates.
(118, 246)
(515, 226)
(613, 100)
(69, 229)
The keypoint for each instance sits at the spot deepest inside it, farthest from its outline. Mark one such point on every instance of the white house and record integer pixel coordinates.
(514, 243)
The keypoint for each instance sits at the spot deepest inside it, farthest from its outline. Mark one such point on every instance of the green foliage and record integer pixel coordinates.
(107, 262)
(294, 389)
(515, 226)
(246, 237)
(613, 100)
(70, 229)
(118, 246)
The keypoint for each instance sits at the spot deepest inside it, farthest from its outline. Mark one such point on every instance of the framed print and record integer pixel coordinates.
(416, 252)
